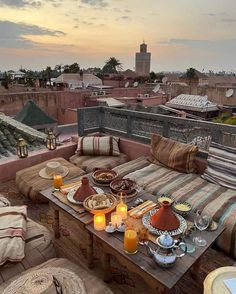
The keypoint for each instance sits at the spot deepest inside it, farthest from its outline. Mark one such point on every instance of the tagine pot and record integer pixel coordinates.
(84, 191)
(165, 219)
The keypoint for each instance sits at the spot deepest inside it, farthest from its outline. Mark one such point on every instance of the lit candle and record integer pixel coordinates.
(57, 181)
(99, 220)
(121, 207)
(116, 219)
(131, 241)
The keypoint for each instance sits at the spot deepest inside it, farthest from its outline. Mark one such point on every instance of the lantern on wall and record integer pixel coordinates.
(22, 148)
(51, 143)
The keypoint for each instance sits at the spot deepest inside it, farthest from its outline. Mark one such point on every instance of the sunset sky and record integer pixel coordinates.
(179, 33)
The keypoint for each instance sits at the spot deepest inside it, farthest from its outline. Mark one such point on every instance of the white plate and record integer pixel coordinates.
(70, 195)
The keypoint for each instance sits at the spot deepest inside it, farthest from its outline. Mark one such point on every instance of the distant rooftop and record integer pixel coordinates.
(34, 116)
(11, 130)
(192, 102)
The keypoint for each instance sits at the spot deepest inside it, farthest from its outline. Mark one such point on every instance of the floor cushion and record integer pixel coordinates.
(218, 201)
(90, 162)
(30, 183)
(92, 284)
(38, 248)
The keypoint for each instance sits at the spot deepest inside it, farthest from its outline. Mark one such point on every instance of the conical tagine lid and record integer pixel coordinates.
(84, 190)
(165, 219)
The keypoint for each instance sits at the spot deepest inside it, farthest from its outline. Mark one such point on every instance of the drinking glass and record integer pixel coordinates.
(201, 221)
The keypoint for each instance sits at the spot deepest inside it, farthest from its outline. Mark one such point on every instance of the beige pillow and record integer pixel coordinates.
(173, 154)
(107, 146)
(12, 233)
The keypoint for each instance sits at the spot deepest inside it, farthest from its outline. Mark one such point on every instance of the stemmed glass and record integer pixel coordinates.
(201, 221)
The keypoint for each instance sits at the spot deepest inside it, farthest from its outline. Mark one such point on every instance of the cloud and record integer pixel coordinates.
(95, 3)
(123, 17)
(228, 20)
(20, 3)
(223, 46)
(13, 35)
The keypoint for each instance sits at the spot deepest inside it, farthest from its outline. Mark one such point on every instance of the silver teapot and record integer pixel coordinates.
(165, 255)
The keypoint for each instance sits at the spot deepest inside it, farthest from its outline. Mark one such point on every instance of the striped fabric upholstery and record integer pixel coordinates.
(38, 248)
(219, 201)
(107, 146)
(173, 154)
(89, 163)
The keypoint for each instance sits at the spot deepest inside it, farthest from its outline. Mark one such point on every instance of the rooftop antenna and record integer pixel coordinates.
(135, 84)
(229, 93)
(164, 80)
(126, 84)
(156, 88)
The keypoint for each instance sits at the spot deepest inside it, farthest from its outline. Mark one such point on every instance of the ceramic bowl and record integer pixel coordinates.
(112, 200)
(163, 198)
(182, 208)
(104, 176)
(123, 185)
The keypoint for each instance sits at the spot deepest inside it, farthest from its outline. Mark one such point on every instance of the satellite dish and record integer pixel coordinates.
(126, 84)
(156, 81)
(87, 85)
(164, 80)
(135, 85)
(156, 88)
(229, 93)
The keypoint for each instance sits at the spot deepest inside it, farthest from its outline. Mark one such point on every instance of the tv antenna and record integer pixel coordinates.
(229, 93)
(156, 88)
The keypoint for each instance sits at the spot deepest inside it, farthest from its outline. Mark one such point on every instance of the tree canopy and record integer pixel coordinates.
(112, 65)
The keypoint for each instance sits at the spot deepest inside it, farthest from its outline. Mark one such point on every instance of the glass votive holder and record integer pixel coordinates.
(99, 221)
(57, 181)
(130, 241)
(116, 219)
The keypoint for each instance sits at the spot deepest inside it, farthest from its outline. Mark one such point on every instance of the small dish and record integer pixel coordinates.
(104, 176)
(123, 185)
(164, 198)
(70, 195)
(182, 208)
(110, 229)
(102, 202)
(121, 228)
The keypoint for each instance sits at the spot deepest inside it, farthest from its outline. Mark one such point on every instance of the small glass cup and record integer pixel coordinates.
(143, 236)
(57, 181)
(130, 241)
(201, 221)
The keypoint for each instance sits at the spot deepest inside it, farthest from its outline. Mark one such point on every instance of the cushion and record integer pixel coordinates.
(92, 284)
(30, 183)
(38, 248)
(107, 146)
(173, 154)
(203, 143)
(12, 233)
(90, 163)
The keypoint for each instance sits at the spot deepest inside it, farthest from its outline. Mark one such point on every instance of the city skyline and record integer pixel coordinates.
(39, 33)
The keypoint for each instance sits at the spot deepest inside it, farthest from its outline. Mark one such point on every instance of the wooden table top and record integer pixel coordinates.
(168, 276)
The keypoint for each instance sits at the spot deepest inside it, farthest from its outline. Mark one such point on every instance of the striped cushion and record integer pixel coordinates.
(12, 233)
(107, 146)
(218, 201)
(173, 154)
(89, 163)
(38, 248)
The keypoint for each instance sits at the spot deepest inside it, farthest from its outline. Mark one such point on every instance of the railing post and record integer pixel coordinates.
(129, 126)
(165, 130)
(80, 120)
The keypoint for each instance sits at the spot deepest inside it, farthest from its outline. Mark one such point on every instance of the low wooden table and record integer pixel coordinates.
(163, 280)
(82, 219)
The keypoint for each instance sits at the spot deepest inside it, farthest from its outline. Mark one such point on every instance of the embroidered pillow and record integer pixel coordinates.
(12, 233)
(107, 146)
(176, 155)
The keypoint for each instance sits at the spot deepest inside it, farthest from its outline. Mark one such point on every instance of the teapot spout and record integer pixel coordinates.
(150, 251)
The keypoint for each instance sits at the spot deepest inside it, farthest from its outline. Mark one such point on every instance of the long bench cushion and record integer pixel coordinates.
(92, 284)
(90, 162)
(38, 248)
(218, 201)
(30, 183)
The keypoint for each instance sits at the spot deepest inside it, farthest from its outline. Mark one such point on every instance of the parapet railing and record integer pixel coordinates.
(139, 126)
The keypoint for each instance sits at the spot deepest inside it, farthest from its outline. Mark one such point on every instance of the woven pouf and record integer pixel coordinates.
(50, 280)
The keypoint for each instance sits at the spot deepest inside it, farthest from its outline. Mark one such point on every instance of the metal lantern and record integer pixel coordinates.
(51, 141)
(22, 148)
